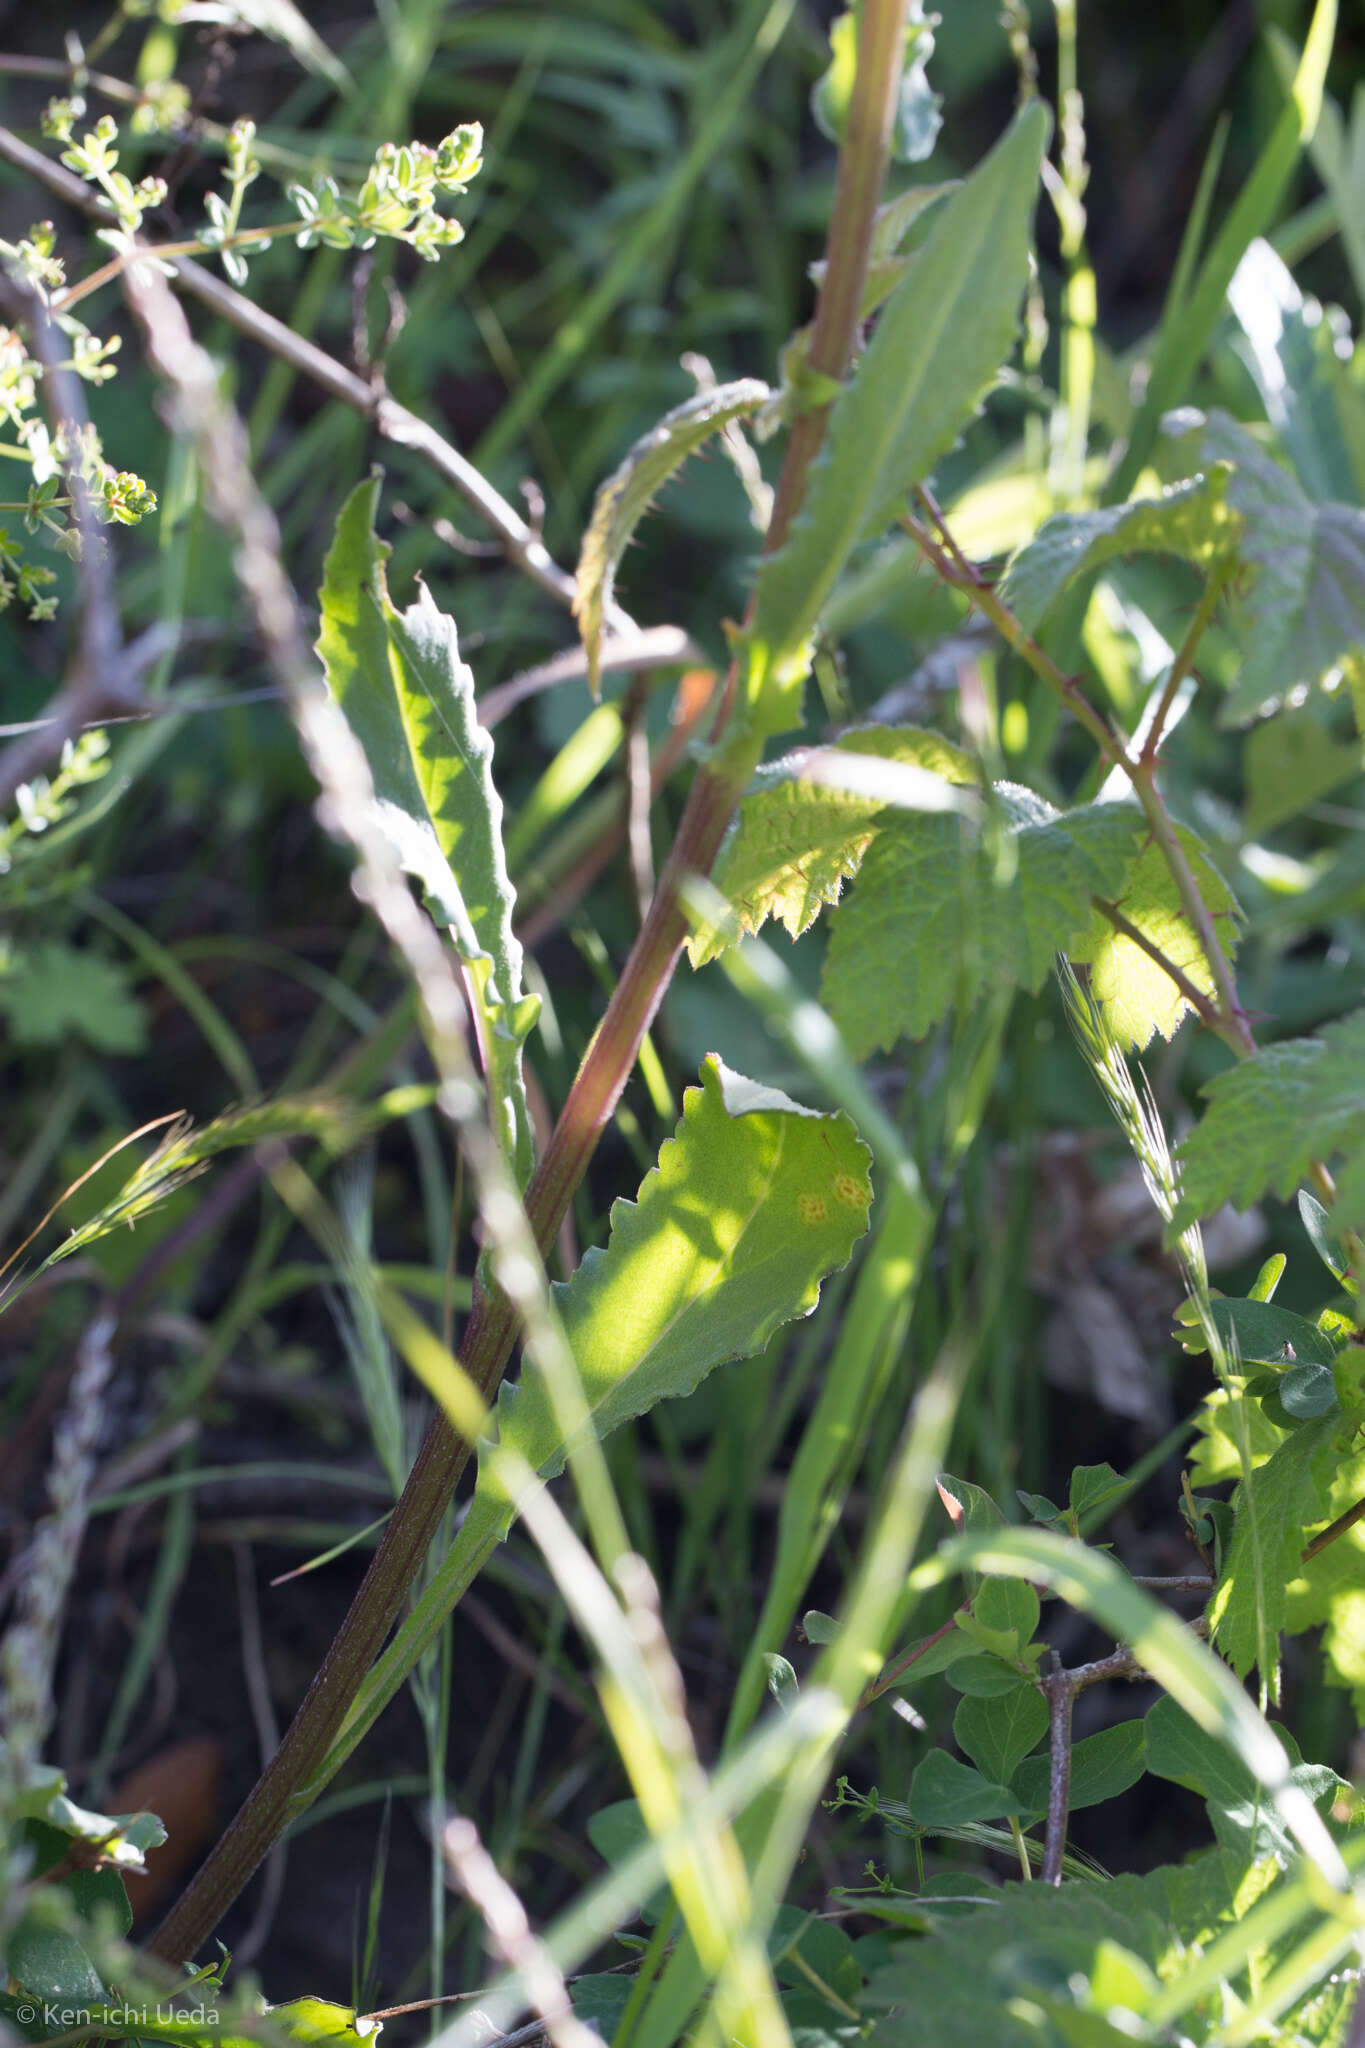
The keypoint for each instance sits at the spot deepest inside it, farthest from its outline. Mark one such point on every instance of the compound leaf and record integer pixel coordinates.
(1271, 1116)
(939, 341)
(624, 498)
(409, 700)
(940, 913)
(798, 840)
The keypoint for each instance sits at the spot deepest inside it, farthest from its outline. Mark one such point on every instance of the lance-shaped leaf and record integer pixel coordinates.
(1189, 519)
(1270, 1117)
(941, 910)
(1138, 996)
(624, 497)
(754, 1200)
(939, 341)
(409, 700)
(799, 837)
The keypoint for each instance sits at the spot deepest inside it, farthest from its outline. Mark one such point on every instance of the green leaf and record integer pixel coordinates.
(1007, 1603)
(960, 1980)
(624, 498)
(1243, 1818)
(916, 122)
(1102, 1766)
(1326, 1239)
(939, 341)
(1292, 356)
(797, 841)
(1258, 1333)
(940, 913)
(998, 1733)
(1328, 1591)
(409, 700)
(1138, 996)
(1271, 1116)
(1188, 519)
(1188, 327)
(946, 1794)
(616, 1832)
(983, 1677)
(821, 1944)
(754, 1201)
(52, 991)
(1273, 1504)
(1290, 762)
(1304, 607)
(318, 2020)
(1092, 1484)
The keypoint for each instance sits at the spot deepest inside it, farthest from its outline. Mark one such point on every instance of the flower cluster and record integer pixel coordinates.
(399, 198)
(42, 803)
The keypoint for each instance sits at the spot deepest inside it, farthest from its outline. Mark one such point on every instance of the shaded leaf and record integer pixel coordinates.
(1188, 519)
(51, 992)
(998, 1733)
(1258, 1333)
(624, 498)
(946, 1794)
(940, 913)
(1243, 1819)
(939, 341)
(1102, 1766)
(1271, 1116)
(409, 700)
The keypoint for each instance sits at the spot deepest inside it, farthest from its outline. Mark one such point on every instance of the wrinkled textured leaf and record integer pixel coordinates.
(1271, 1116)
(936, 917)
(1243, 1819)
(1304, 607)
(998, 1733)
(797, 841)
(958, 1980)
(939, 341)
(1189, 519)
(753, 1202)
(409, 700)
(624, 498)
(1276, 1505)
(1136, 994)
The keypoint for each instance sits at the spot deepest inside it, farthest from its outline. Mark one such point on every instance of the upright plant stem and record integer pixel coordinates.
(289, 1780)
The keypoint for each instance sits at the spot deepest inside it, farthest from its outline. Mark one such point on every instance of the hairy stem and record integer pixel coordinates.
(291, 1778)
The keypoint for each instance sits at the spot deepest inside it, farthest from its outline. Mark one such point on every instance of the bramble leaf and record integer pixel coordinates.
(1244, 1820)
(939, 341)
(797, 840)
(409, 700)
(624, 498)
(1188, 519)
(1138, 996)
(1274, 1505)
(939, 913)
(1270, 1117)
(1304, 607)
